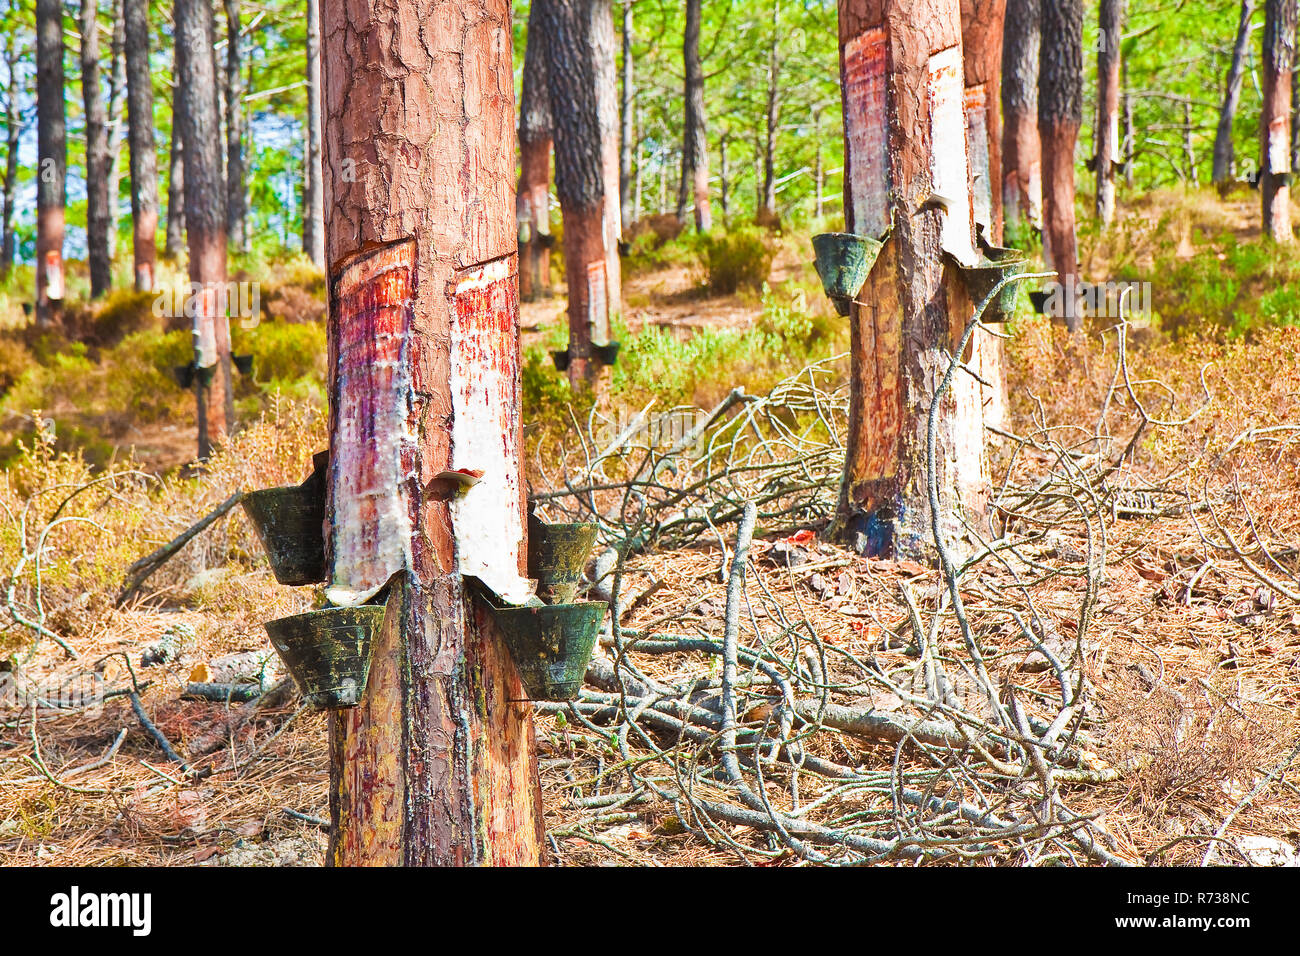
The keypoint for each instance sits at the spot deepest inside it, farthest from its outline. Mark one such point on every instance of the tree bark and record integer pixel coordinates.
(1022, 184)
(236, 194)
(1060, 113)
(533, 200)
(52, 169)
(982, 24)
(205, 214)
(313, 206)
(1107, 158)
(901, 73)
(581, 74)
(175, 194)
(627, 118)
(1223, 147)
(436, 766)
(13, 132)
(97, 253)
(144, 158)
(1275, 121)
(693, 188)
(116, 122)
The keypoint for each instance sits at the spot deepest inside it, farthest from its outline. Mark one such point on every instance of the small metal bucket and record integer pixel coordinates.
(556, 556)
(843, 262)
(328, 652)
(983, 279)
(290, 521)
(551, 645)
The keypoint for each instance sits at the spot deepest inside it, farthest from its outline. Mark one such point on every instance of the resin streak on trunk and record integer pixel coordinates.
(371, 318)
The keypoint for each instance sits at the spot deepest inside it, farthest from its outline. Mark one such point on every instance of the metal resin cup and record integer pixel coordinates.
(290, 521)
(983, 278)
(551, 645)
(328, 652)
(608, 353)
(557, 554)
(843, 262)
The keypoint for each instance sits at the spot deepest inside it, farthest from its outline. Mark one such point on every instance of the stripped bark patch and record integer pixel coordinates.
(53, 274)
(488, 517)
(205, 328)
(976, 101)
(865, 119)
(597, 303)
(373, 438)
(948, 174)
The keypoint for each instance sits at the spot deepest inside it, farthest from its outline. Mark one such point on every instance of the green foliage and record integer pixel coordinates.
(738, 259)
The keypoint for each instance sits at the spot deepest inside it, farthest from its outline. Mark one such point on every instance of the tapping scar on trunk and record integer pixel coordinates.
(948, 153)
(487, 518)
(373, 441)
(865, 69)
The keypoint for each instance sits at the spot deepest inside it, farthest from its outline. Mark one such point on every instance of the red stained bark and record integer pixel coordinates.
(981, 38)
(897, 58)
(1280, 18)
(1022, 193)
(436, 766)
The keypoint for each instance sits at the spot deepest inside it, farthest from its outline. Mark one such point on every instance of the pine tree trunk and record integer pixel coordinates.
(1107, 159)
(236, 196)
(693, 189)
(13, 132)
(1275, 121)
(981, 37)
(97, 254)
(581, 74)
(1022, 184)
(533, 199)
(1060, 114)
(205, 214)
(175, 195)
(116, 123)
(901, 70)
(724, 176)
(52, 168)
(436, 766)
(627, 116)
(313, 206)
(1223, 148)
(144, 158)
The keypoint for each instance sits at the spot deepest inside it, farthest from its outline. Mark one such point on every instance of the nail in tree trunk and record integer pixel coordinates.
(313, 206)
(236, 216)
(1022, 185)
(1107, 158)
(1223, 147)
(436, 766)
(906, 163)
(627, 118)
(116, 122)
(533, 199)
(205, 216)
(97, 253)
(13, 132)
(52, 155)
(981, 38)
(581, 73)
(1060, 113)
(771, 114)
(1275, 120)
(694, 186)
(144, 158)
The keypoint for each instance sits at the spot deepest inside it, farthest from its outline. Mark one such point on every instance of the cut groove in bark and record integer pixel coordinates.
(436, 765)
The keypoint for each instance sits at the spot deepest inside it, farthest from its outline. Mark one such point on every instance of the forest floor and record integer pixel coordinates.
(1190, 651)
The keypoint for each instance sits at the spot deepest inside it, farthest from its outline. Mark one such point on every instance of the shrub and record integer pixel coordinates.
(741, 258)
